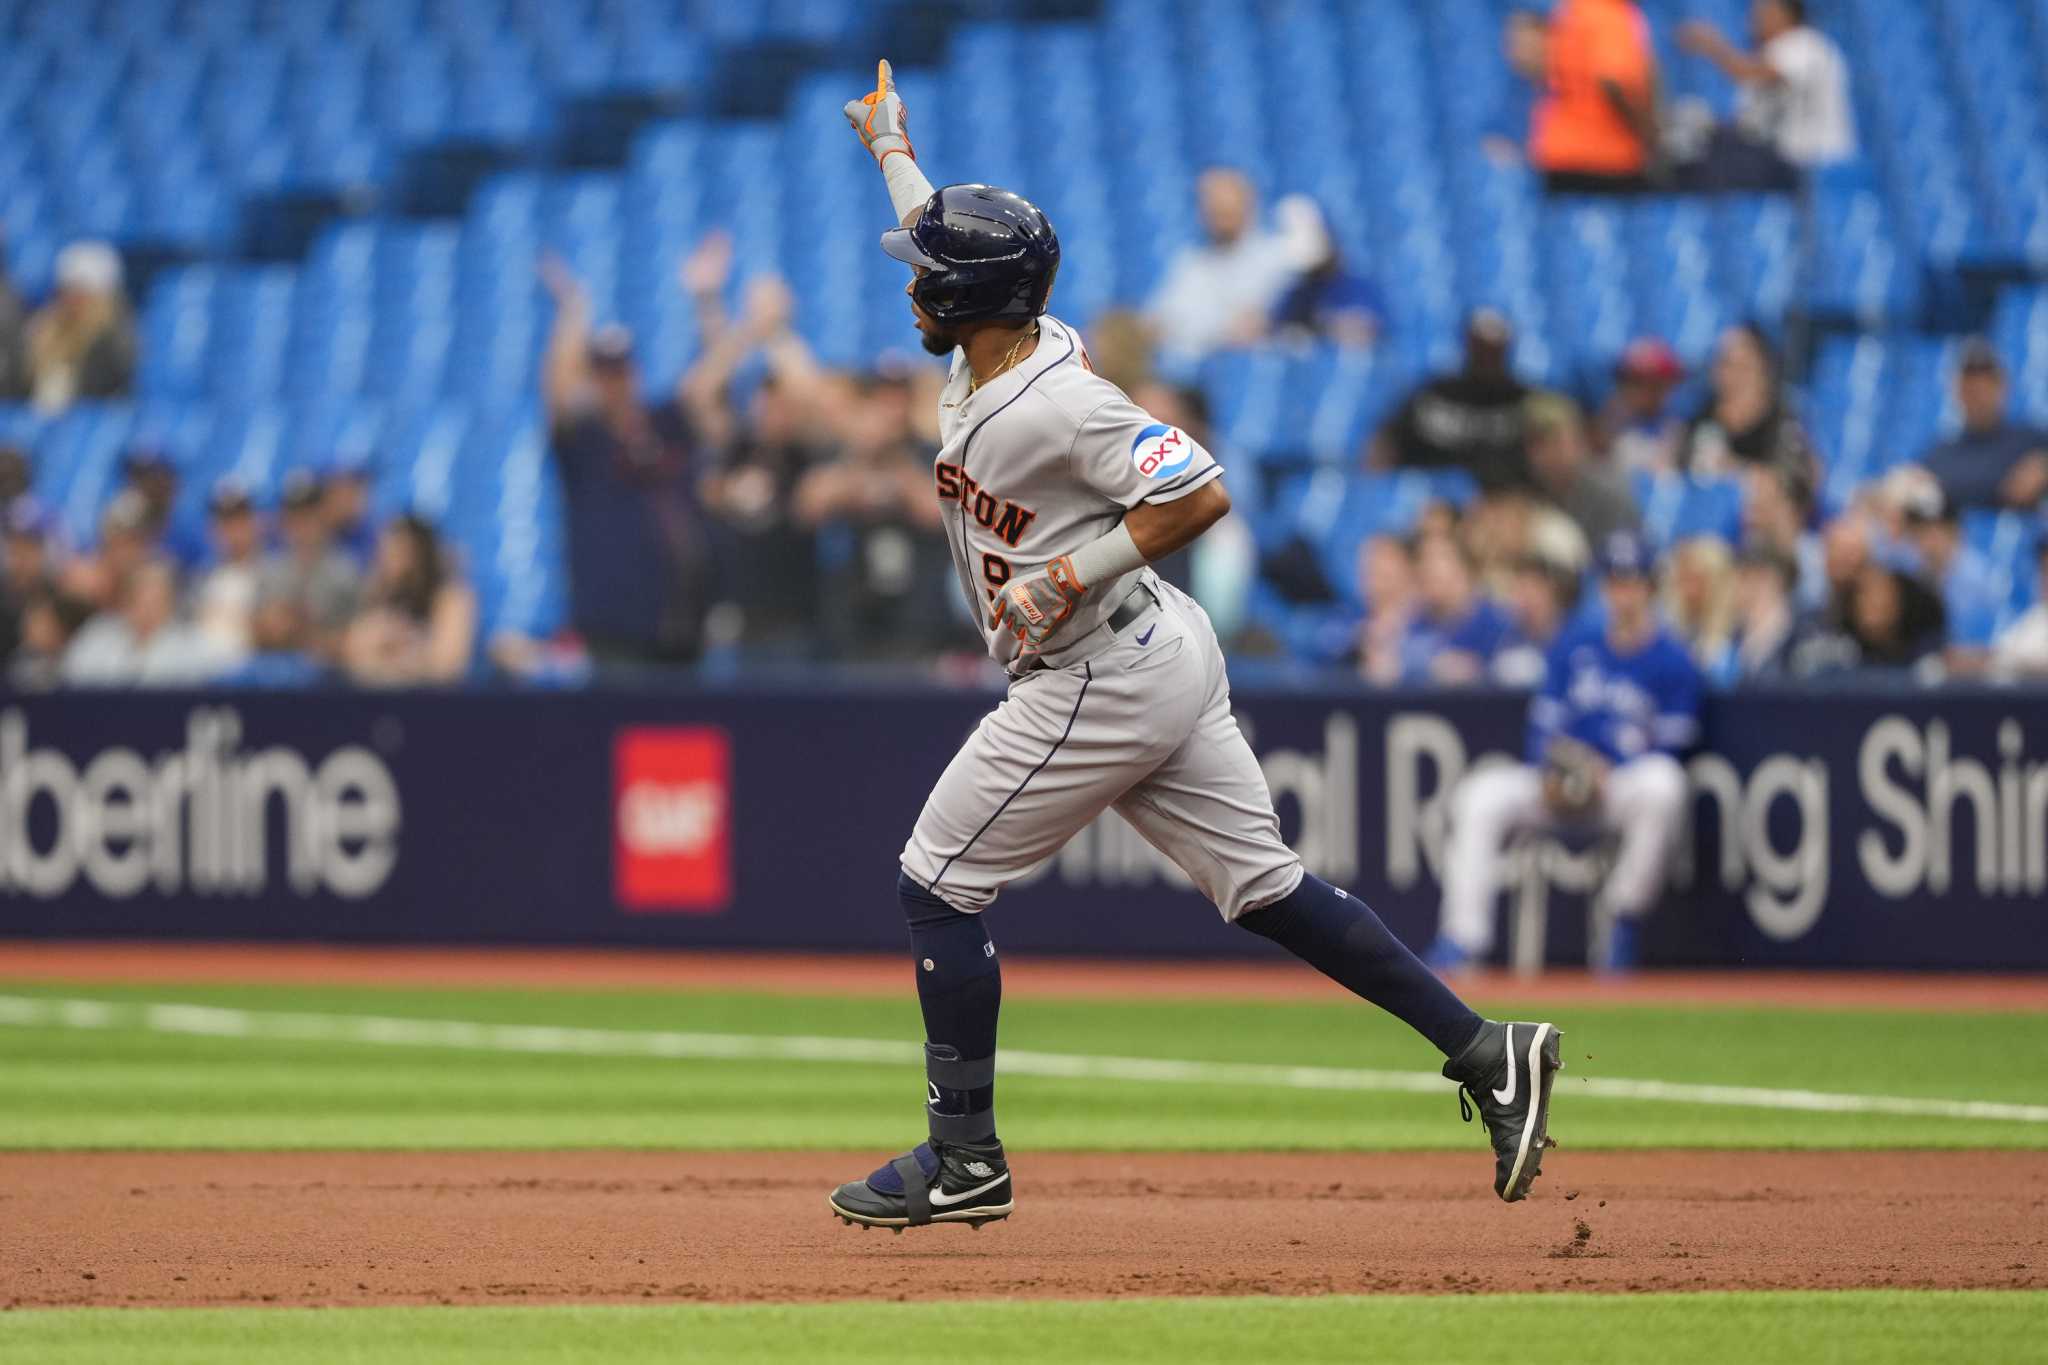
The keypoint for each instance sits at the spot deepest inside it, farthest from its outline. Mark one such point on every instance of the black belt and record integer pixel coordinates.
(1134, 605)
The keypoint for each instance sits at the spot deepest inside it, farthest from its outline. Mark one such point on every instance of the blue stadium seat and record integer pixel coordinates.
(155, 122)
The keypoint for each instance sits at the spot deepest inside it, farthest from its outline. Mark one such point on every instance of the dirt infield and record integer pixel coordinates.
(85, 1228)
(1044, 978)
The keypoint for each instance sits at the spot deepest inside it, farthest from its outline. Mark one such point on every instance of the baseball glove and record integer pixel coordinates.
(1573, 773)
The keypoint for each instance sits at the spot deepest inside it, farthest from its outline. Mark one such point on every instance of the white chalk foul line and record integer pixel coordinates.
(383, 1031)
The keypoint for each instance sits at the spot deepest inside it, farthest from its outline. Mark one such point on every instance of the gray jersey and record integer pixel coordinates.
(1038, 462)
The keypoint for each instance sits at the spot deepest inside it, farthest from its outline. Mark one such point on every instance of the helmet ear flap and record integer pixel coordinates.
(942, 301)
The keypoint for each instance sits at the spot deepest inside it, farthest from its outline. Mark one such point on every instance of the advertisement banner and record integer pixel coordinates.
(1879, 830)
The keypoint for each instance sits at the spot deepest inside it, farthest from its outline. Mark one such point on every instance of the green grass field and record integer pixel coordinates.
(1691, 1329)
(289, 1067)
(123, 1086)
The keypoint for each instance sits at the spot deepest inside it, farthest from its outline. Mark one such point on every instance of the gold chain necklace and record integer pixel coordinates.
(1009, 359)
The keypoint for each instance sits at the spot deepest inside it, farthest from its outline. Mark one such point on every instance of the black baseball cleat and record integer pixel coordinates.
(1508, 1070)
(938, 1182)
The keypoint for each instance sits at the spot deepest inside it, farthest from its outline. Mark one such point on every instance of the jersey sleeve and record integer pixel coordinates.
(1127, 455)
(1795, 57)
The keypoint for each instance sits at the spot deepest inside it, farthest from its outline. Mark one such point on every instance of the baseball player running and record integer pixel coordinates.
(1057, 492)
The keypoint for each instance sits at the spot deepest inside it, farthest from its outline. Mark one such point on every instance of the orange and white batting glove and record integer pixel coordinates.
(1033, 608)
(880, 119)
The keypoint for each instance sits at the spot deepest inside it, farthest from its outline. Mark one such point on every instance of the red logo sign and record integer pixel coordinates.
(671, 828)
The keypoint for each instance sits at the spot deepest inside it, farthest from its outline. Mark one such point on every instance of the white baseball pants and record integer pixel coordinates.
(1144, 728)
(1643, 801)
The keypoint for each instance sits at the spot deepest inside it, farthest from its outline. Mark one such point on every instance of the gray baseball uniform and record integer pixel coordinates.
(1128, 707)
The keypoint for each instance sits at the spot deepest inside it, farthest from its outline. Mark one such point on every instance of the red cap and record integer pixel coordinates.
(1650, 358)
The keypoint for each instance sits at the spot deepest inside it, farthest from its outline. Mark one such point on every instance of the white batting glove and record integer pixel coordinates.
(880, 119)
(1033, 608)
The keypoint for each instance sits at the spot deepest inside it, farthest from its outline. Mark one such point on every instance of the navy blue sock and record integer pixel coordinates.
(960, 987)
(1342, 938)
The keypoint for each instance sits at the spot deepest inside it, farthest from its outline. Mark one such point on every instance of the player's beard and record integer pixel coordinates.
(937, 340)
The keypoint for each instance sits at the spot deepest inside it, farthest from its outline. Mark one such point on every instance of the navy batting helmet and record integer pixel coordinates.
(987, 253)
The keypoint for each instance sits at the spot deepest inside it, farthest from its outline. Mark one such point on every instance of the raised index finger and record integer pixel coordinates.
(885, 79)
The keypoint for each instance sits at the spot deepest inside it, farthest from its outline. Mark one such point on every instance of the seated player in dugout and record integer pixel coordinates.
(1057, 494)
(1619, 703)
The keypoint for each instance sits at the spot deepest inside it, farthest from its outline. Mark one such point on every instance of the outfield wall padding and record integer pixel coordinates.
(1878, 829)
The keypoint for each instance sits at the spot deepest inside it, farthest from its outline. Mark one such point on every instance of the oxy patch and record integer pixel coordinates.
(1161, 451)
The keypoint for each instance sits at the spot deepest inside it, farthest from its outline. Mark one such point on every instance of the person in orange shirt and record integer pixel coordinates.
(1595, 129)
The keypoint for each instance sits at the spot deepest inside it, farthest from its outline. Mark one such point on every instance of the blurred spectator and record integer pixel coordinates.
(141, 642)
(1541, 597)
(878, 595)
(1440, 517)
(638, 561)
(1327, 301)
(768, 556)
(17, 472)
(1894, 619)
(1992, 461)
(126, 542)
(225, 600)
(418, 621)
(280, 654)
(1745, 420)
(773, 569)
(1386, 582)
(1475, 419)
(2021, 649)
(49, 623)
(1845, 550)
(1777, 511)
(1507, 132)
(1594, 494)
(308, 570)
(16, 379)
(1455, 630)
(150, 471)
(1594, 131)
(1636, 429)
(1120, 348)
(346, 485)
(1619, 703)
(1759, 648)
(1793, 112)
(1699, 596)
(1495, 529)
(1221, 291)
(27, 570)
(81, 344)
(1973, 590)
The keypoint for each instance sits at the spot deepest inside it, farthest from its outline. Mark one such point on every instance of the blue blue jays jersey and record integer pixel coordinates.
(1622, 705)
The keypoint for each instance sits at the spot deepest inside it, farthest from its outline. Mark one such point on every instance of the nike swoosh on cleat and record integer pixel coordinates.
(1146, 638)
(1508, 1097)
(940, 1199)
